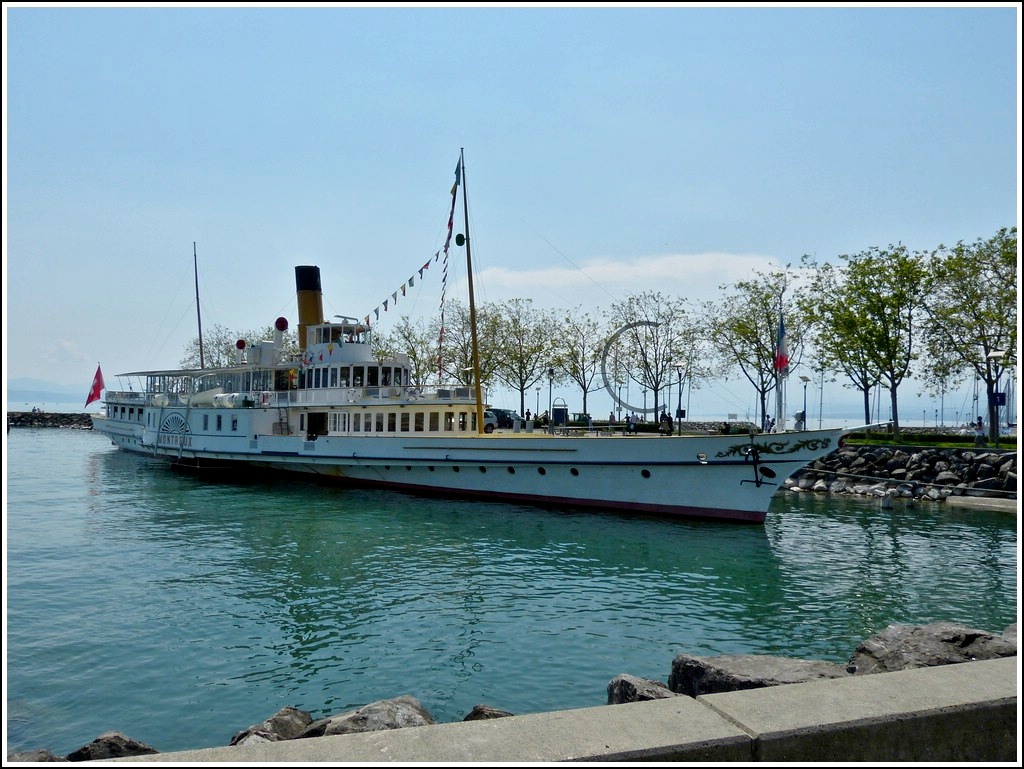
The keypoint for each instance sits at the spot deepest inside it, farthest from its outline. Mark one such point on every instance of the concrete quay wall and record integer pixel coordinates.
(948, 713)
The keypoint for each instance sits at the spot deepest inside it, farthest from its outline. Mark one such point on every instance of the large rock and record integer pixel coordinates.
(396, 713)
(286, 724)
(693, 676)
(627, 688)
(111, 745)
(485, 712)
(900, 647)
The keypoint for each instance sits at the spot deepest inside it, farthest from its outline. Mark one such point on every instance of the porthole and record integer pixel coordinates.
(645, 473)
(483, 469)
(455, 468)
(541, 470)
(574, 471)
(511, 471)
(430, 468)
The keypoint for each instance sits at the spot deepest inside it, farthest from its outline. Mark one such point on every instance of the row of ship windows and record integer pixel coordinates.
(344, 422)
(392, 421)
(334, 376)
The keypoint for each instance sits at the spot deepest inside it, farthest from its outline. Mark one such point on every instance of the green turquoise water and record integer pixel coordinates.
(180, 611)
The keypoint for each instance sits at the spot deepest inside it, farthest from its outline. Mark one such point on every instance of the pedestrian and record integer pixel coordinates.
(527, 415)
(979, 434)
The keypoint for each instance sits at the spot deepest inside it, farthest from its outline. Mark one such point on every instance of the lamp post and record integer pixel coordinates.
(537, 410)
(803, 419)
(551, 383)
(821, 397)
(679, 403)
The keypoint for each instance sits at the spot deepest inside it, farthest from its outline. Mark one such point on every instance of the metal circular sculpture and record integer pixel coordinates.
(604, 367)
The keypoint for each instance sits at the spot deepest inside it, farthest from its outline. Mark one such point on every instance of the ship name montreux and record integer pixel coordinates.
(177, 440)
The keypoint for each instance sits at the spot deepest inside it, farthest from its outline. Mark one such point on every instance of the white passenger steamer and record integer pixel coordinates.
(336, 411)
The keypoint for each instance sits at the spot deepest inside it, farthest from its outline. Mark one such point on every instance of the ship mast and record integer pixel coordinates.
(472, 305)
(199, 317)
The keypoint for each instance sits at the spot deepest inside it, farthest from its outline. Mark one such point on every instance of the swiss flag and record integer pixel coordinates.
(97, 386)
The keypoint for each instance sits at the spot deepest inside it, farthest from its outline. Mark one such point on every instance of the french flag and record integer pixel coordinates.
(782, 349)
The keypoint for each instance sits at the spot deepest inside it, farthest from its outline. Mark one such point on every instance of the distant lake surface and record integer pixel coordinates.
(180, 611)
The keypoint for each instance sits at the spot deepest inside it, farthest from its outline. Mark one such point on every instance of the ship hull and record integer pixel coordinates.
(715, 477)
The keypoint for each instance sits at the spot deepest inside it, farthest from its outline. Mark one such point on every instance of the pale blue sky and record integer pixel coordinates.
(608, 151)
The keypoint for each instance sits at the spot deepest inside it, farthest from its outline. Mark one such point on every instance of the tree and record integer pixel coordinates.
(220, 346)
(525, 336)
(419, 342)
(835, 331)
(456, 348)
(745, 329)
(653, 327)
(972, 314)
(580, 343)
(874, 303)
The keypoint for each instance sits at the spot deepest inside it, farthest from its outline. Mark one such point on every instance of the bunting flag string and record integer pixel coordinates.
(410, 282)
(444, 275)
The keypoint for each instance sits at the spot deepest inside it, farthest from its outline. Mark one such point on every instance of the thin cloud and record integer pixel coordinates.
(599, 283)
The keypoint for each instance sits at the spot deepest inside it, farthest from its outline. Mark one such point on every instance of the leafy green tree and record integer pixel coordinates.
(745, 329)
(874, 303)
(656, 326)
(524, 337)
(456, 347)
(580, 343)
(419, 343)
(834, 330)
(971, 313)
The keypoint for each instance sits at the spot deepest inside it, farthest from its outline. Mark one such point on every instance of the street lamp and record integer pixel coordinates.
(536, 412)
(803, 419)
(679, 403)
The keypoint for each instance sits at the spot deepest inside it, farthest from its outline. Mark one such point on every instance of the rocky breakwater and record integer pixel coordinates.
(912, 472)
(897, 647)
(48, 419)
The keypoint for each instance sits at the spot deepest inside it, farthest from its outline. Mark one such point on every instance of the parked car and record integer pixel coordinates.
(506, 418)
(490, 421)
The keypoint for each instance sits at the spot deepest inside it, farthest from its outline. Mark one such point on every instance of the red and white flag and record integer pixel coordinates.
(97, 386)
(782, 350)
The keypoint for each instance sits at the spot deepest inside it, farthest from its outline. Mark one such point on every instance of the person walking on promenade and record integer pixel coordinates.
(979, 434)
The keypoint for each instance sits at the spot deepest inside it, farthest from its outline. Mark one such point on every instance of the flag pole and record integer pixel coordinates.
(478, 389)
